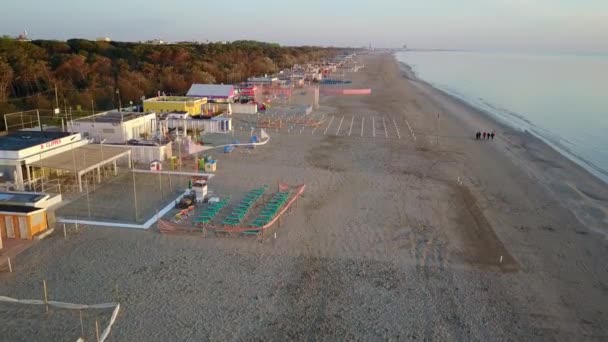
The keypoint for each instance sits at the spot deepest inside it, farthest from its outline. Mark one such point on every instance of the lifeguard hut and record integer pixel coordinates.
(199, 186)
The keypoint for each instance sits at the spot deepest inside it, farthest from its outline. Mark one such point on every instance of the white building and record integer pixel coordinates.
(18, 150)
(30, 158)
(263, 80)
(216, 124)
(215, 92)
(115, 127)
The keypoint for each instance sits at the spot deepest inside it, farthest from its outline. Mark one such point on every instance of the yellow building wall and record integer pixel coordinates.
(191, 107)
(37, 228)
(31, 228)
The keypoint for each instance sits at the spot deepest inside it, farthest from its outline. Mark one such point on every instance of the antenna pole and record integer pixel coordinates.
(56, 98)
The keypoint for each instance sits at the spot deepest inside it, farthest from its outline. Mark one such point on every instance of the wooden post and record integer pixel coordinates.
(157, 220)
(97, 330)
(10, 267)
(81, 325)
(46, 299)
(65, 233)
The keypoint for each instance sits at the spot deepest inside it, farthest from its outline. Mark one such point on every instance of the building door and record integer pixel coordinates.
(22, 227)
(10, 230)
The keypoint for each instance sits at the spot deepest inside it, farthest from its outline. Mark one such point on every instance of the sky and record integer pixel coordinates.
(511, 25)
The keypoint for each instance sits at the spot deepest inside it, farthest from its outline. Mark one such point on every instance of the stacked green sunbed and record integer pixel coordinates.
(211, 211)
(270, 210)
(240, 211)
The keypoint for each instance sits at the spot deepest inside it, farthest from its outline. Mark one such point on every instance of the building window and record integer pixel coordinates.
(108, 130)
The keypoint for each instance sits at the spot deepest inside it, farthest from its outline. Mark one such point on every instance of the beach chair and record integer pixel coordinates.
(230, 223)
(271, 208)
(237, 217)
(202, 221)
(239, 212)
(256, 224)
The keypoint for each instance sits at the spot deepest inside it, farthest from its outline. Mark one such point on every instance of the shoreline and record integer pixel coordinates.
(572, 184)
(595, 171)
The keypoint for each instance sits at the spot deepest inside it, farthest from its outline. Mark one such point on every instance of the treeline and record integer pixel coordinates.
(87, 73)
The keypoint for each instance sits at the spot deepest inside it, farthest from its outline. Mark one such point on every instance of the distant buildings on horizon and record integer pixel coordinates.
(157, 41)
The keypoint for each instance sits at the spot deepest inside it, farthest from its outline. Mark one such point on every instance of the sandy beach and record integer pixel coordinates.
(409, 229)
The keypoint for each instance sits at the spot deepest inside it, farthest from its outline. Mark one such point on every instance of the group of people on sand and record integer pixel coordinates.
(485, 135)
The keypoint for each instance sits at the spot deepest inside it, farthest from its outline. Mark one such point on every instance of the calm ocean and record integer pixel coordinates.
(562, 99)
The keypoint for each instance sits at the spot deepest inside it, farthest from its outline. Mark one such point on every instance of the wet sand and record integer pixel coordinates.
(409, 229)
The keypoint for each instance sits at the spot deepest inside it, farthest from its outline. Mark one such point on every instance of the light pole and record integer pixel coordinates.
(101, 149)
(88, 201)
(119, 102)
(76, 177)
(134, 191)
(160, 186)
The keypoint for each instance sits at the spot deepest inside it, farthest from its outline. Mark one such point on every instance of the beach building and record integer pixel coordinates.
(23, 214)
(29, 160)
(215, 92)
(216, 124)
(243, 108)
(21, 222)
(167, 104)
(29, 199)
(115, 127)
(265, 80)
(18, 150)
(247, 91)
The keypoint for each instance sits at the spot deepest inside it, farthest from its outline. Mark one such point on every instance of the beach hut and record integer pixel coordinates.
(200, 189)
(210, 165)
(21, 222)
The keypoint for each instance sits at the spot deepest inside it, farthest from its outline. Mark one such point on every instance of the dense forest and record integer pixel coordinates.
(88, 73)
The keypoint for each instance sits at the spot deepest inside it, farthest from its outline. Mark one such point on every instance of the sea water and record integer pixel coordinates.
(562, 99)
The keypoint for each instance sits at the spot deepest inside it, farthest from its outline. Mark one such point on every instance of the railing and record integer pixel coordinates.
(52, 186)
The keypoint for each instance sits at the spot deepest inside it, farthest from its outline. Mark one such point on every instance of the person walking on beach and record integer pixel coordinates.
(492, 135)
(477, 135)
(484, 135)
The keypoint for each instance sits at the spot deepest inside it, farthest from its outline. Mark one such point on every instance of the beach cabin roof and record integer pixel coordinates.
(211, 90)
